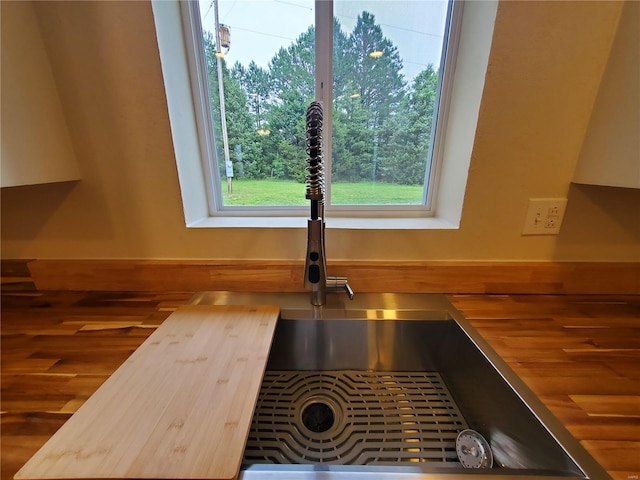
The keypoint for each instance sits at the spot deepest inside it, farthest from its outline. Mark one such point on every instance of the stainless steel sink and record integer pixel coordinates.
(426, 373)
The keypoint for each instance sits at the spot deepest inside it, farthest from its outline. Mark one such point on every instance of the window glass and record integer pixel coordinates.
(267, 69)
(260, 67)
(386, 71)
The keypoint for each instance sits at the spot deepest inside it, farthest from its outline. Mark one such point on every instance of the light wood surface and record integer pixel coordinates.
(364, 276)
(179, 407)
(578, 354)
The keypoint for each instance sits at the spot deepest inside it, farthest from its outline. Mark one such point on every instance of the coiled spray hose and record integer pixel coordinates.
(315, 173)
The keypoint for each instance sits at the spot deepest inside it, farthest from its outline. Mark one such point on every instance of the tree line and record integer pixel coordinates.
(381, 123)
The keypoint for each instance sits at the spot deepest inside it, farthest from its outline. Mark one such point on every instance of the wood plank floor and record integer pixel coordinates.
(579, 354)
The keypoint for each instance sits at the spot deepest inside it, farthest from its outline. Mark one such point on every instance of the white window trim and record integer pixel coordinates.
(476, 32)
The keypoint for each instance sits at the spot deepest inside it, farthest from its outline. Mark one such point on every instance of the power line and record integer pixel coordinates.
(230, 10)
(294, 5)
(397, 28)
(208, 10)
(261, 33)
(293, 39)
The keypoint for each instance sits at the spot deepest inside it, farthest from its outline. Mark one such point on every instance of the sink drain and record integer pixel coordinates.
(318, 416)
(354, 418)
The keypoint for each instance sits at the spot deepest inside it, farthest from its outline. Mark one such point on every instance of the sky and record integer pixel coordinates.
(260, 27)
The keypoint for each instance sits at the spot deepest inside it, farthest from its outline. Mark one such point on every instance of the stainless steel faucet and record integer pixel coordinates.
(315, 267)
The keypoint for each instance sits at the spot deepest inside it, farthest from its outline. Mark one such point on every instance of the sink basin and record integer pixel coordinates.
(380, 388)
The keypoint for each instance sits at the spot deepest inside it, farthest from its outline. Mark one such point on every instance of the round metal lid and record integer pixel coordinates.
(473, 450)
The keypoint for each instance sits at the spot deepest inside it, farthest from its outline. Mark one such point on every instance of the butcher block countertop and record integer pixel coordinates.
(578, 353)
(179, 407)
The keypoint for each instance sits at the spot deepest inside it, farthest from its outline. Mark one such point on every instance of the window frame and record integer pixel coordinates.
(189, 127)
(324, 15)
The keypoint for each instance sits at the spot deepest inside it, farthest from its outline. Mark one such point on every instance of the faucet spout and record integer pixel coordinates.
(315, 266)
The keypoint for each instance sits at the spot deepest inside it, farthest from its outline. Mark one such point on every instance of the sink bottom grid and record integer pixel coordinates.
(354, 418)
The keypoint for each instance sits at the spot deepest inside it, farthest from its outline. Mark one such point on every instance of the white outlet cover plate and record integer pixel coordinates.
(539, 211)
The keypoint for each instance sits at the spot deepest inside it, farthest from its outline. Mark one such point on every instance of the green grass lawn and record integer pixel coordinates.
(286, 192)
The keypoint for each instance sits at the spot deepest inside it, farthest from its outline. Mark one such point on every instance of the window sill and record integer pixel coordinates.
(341, 223)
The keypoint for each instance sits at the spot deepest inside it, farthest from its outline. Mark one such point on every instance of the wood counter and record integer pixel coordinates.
(580, 354)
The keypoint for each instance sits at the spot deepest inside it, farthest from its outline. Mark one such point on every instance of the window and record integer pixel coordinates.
(262, 61)
(379, 136)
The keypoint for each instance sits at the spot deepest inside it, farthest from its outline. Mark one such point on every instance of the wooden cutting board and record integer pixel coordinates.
(180, 407)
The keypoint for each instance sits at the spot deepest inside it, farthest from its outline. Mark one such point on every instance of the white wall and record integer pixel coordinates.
(611, 151)
(544, 73)
(36, 145)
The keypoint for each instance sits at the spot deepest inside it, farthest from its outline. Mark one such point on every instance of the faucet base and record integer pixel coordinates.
(318, 298)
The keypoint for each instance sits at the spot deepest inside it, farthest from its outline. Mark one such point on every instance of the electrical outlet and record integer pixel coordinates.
(544, 216)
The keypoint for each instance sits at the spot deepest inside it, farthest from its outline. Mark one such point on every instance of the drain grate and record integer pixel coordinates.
(354, 418)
